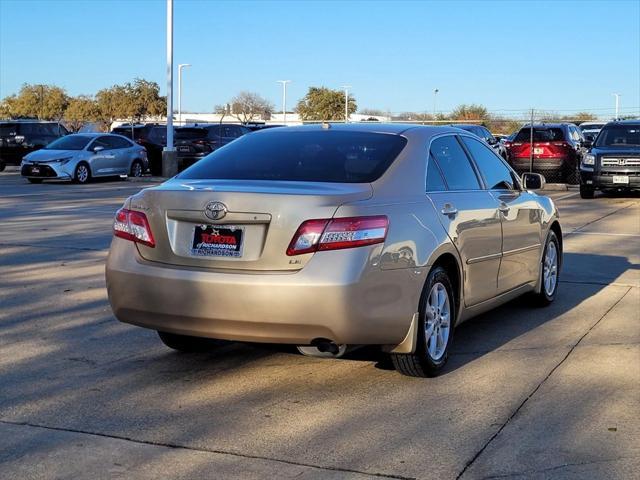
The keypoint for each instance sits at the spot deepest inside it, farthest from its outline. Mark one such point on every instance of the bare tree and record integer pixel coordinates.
(248, 106)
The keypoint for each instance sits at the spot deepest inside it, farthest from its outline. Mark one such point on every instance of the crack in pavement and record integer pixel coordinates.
(556, 467)
(535, 390)
(31, 245)
(205, 450)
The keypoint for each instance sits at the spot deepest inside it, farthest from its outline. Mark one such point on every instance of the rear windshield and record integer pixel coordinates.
(619, 135)
(8, 129)
(591, 126)
(309, 156)
(540, 135)
(126, 132)
(70, 142)
(190, 133)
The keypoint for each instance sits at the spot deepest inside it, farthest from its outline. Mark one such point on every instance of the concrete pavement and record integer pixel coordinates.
(528, 393)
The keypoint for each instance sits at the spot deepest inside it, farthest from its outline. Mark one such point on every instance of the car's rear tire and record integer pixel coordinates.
(549, 271)
(82, 173)
(34, 180)
(435, 330)
(185, 343)
(586, 191)
(572, 176)
(136, 169)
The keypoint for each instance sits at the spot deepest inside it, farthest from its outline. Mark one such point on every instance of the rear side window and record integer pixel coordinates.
(495, 173)
(454, 163)
(551, 134)
(118, 142)
(307, 156)
(435, 182)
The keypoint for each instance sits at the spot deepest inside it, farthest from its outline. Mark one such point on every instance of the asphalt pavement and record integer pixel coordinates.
(528, 393)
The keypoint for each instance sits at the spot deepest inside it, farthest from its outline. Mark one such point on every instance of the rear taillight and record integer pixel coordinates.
(338, 233)
(133, 226)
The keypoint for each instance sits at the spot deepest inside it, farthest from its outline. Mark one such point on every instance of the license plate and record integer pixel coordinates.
(621, 179)
(538, 151)
(183, 149)
(35, 170)
(217, 241)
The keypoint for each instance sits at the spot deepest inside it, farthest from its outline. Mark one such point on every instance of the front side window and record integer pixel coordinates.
(454, 164)
(101, 142)
(496, 174)
(306, 156)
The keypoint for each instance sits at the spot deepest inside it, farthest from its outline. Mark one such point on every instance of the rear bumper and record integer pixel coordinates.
(347, 305)
(522, 164)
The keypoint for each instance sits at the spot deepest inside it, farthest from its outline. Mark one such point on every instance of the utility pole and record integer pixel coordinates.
(531, 143)
(180, 67)
(617, 95)
(169, 158)
(346, 102)
(284, 99)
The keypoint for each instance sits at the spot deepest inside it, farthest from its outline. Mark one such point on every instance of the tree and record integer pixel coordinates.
(321, 103)
(247, 107)
(470, 112)
(81, 110)
(134, 101)
(45, 102)
(8, 107)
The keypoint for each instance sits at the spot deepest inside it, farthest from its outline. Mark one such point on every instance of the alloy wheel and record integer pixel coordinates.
(438, 321)
(550, 268)
(82, 173)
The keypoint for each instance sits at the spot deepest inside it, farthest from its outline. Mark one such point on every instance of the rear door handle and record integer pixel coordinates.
(449, 210)
(504, 208)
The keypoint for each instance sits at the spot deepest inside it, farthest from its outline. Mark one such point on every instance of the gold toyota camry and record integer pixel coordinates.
(329, 236)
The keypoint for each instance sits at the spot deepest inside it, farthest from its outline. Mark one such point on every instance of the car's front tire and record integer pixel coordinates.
(435, 333)
(82, 173)
(586, 191)
(549, 271)
(187, 344)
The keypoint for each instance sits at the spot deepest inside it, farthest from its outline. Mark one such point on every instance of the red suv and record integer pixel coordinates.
(557, 149)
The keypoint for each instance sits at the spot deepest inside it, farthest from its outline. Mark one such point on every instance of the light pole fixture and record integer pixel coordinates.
(617, 95)
(435, 94)
(346, 102)
(180, 67)
(169, 160)
(284, 99)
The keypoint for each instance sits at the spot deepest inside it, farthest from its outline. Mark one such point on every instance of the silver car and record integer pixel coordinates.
(83, 156)
(328, 236)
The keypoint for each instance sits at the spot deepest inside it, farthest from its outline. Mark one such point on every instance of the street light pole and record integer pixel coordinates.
(435, 93)
(169, 160)
(346, 102)
(284, 99)
(617, 95)
(180, 67)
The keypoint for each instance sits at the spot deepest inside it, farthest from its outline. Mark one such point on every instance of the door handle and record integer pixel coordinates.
(449, 210)
(504, 208)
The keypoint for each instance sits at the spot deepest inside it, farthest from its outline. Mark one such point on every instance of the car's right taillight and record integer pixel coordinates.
(133, 226)
(338, 233)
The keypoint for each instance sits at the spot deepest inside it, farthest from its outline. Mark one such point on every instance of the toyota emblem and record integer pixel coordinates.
(215, 210)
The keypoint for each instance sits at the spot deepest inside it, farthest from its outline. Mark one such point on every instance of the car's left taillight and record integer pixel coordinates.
(338, 233)
(133, 226)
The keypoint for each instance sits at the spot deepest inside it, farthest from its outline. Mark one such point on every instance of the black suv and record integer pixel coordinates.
(19, 137)
(195, 142)
(152, 136)
(613, 161)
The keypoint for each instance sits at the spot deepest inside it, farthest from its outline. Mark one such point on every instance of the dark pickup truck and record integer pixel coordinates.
(613, 160)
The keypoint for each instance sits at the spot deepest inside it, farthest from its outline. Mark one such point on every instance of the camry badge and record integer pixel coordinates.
(215, 210)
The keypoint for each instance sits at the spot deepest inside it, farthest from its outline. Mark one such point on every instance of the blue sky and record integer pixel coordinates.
(562, 56)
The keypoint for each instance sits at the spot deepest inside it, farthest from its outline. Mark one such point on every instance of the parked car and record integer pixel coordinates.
(487, 136)
(613, 161)
(557, 149)
(20, 137)
(83, 156)
(324, 236)
(152, 136)
(590, 130)
(197, 141)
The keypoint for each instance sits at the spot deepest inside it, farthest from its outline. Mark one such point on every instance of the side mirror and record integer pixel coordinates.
(532, 181)
(98, 149)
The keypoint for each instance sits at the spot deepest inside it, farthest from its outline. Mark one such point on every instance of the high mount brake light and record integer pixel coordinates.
(133, 226)
(338, 233)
